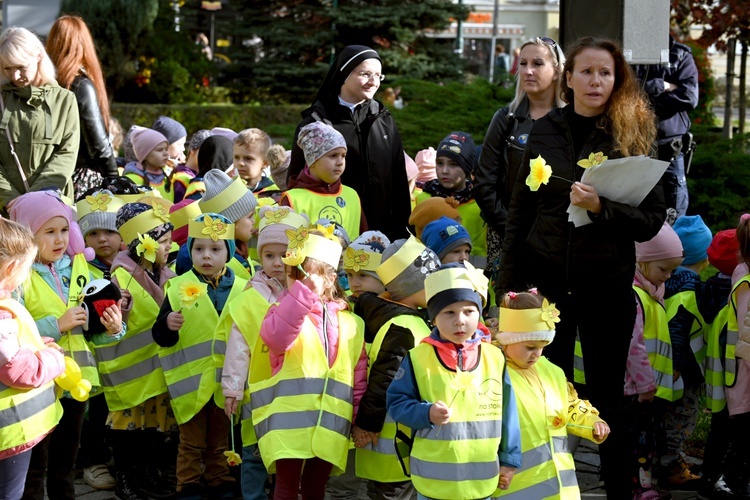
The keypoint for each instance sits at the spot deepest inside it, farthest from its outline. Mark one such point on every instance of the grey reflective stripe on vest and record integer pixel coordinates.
(246, 411)
(184, 386)
(568, 477)
(545, 489)
(28, 408)
(452, 431)
(384, 446)
(130, 373)
(187, 355)
(560, 444)
(220, 347)
(302, 420)
(299, 387)
(578, 362)
(697, 344)
(84, 359)
(535, 457)
(124, 347)
(471, 471)
(731, 363)
(659, 347)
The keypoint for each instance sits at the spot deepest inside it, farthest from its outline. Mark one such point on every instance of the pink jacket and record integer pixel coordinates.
(283, 323)
(639, 376)
(237, 357)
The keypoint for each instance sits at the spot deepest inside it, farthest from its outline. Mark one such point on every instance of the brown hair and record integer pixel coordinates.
(17, 245)
(72, 50)
(522, 300)
(253, 138)
(628, 116)
(312, 265)
(743, 237)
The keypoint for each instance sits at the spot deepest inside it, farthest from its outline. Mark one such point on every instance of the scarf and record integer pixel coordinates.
(434, 188)
(656, 292)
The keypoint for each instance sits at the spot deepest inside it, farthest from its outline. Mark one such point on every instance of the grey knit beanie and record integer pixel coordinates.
(226, 196)
(410, 279)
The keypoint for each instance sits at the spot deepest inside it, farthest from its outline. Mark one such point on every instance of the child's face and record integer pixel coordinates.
(105, 242)
(360, 283)
(659, 271)
(158, 156)
(176, 151)
(165, 245)
(459, 254)
(249, 163)
(244, 228)
(450, 175)
(525, 354)
(270, 260)
(209, 256)
(330, 166)
(52, 239)
(458, 321)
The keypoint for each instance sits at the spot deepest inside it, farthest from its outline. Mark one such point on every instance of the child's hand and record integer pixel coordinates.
(361, 437)
(126, 299)
(230, 406)
(50, 343)
(647, 396)
(73, 317)
(112, 319)
(175, 321)
(506, 476)
(440, 414)
(601, 430)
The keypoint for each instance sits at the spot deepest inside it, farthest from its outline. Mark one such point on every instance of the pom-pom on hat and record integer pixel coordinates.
(274, 223)
(365, 253)
(97, 211)
(179, 215)
(144, 141)
(455, 282)
(445, 235)
(169, 128)
(665, 245)
(432, 209)
(227, 197)
(724, 251)
(459, 147)
(303, 243)
(404, 266)
(318, 138)
(214, 227)
(527, 325)
(695, 237)
(425, 161)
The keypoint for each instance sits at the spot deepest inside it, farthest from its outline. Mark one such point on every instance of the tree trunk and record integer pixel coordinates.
(743, 102)
(730, 84)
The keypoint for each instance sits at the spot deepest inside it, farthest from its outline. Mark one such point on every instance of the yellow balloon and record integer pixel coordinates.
(85, 384)
(79, 394)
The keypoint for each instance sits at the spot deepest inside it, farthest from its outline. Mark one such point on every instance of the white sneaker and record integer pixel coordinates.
(98, 476)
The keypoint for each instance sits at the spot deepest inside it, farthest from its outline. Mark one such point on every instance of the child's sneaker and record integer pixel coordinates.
(98, 477)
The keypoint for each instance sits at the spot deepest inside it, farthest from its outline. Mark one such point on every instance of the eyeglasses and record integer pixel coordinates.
(551, 43)
(366, 76)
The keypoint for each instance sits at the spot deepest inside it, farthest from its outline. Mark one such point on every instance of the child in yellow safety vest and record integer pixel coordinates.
(650, 379)
(28, 364)
(150, 148)
(184, 330)
(240, 329)
(454, 393)
(51, 295)
(302, 414)
(548, 406)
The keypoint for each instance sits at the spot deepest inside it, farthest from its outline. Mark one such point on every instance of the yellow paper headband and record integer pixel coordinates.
(304, 244)
(529, 320)
(399, 261)
(143, 223)
(210, 227)
(182, 215)
(132, 198)
(101, 201)
(281, 215)
(229, 196)
(453, 278)
(361, 260)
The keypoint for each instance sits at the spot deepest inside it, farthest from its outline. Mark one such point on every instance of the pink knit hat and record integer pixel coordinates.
(34, 209)
(144, 141)
(425, 161)
(412, 170)
(274, 221)
(665, 245)
(317, 138)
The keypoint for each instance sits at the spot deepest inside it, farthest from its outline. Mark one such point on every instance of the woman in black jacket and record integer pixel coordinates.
(72, 50)
(375, 166)
(587, 270)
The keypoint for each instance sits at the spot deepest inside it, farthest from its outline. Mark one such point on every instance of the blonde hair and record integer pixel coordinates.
(17, 248)
(254, 138)
(18, 47)
(278, 160)
(558, 61)
(628, 116)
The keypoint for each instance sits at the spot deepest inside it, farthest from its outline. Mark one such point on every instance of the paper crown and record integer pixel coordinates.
(361, 260)
(100, 201)
(144, 222)
(454, 278)
(229, 196)
(210, 227)
(180, 217)
(529, 320)
(281, 215)
(303, 243)
(399, 261)
(132, 198)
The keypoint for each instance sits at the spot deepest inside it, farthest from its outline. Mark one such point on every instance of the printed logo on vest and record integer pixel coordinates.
(340, 201)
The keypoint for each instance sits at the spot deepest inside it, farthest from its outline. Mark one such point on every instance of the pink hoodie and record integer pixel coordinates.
(283, 323)
(639, 376)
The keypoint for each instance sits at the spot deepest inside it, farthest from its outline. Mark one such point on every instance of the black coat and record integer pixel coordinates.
(95, 151)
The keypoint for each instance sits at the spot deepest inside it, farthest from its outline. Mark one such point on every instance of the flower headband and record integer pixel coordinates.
(213, 228)
(303, 244)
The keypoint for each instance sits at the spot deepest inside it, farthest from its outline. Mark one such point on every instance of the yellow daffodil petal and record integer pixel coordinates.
(463, 381)
(557, 421)
(539, 173)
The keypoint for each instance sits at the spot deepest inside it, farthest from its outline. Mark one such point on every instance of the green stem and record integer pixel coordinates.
(561, 178)
(580, 426)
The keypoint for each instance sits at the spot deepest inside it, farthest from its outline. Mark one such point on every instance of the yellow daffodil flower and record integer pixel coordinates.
(557, 421)
(190, 293)
(355, 259)
(298, 237)
(550, 314)
(293, 257)
(463, 381)
(147, 247)
(593, 160)
(276, 216)
(160, 211)
(233, 458)
(99, 202)
(214, 227)
(539, 174)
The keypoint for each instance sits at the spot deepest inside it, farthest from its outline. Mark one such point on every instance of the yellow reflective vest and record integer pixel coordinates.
(733, 331)
(129, 368)
(686, 301)
(343, 208)
(26, 414)
(41, 300)
(659, 346)
(305, 409)
(716, 398)
(380, 462)
(459, 460)
(189, 367)
(240, 270)
(547, 468)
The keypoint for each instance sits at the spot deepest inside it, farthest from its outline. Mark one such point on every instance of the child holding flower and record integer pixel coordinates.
(547, 404)
(453, 391)
(184, 330)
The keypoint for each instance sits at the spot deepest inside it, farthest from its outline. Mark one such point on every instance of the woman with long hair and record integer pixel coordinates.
(587, 270)
(72, 50)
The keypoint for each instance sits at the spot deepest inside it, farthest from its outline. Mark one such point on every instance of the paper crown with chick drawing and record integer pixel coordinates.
(304, 243)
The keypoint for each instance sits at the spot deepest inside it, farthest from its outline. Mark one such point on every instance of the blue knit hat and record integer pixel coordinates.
(444, 235)
(231, 245)
(695, 237)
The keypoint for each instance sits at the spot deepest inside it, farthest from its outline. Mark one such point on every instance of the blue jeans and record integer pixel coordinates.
(12, 475)
(253, 474)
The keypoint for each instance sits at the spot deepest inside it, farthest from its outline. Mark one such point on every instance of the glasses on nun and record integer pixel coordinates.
(367, 76)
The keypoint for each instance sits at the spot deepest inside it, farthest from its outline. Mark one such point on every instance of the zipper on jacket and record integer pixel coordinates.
(51, 266)
(325, 330)
(460, 359)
